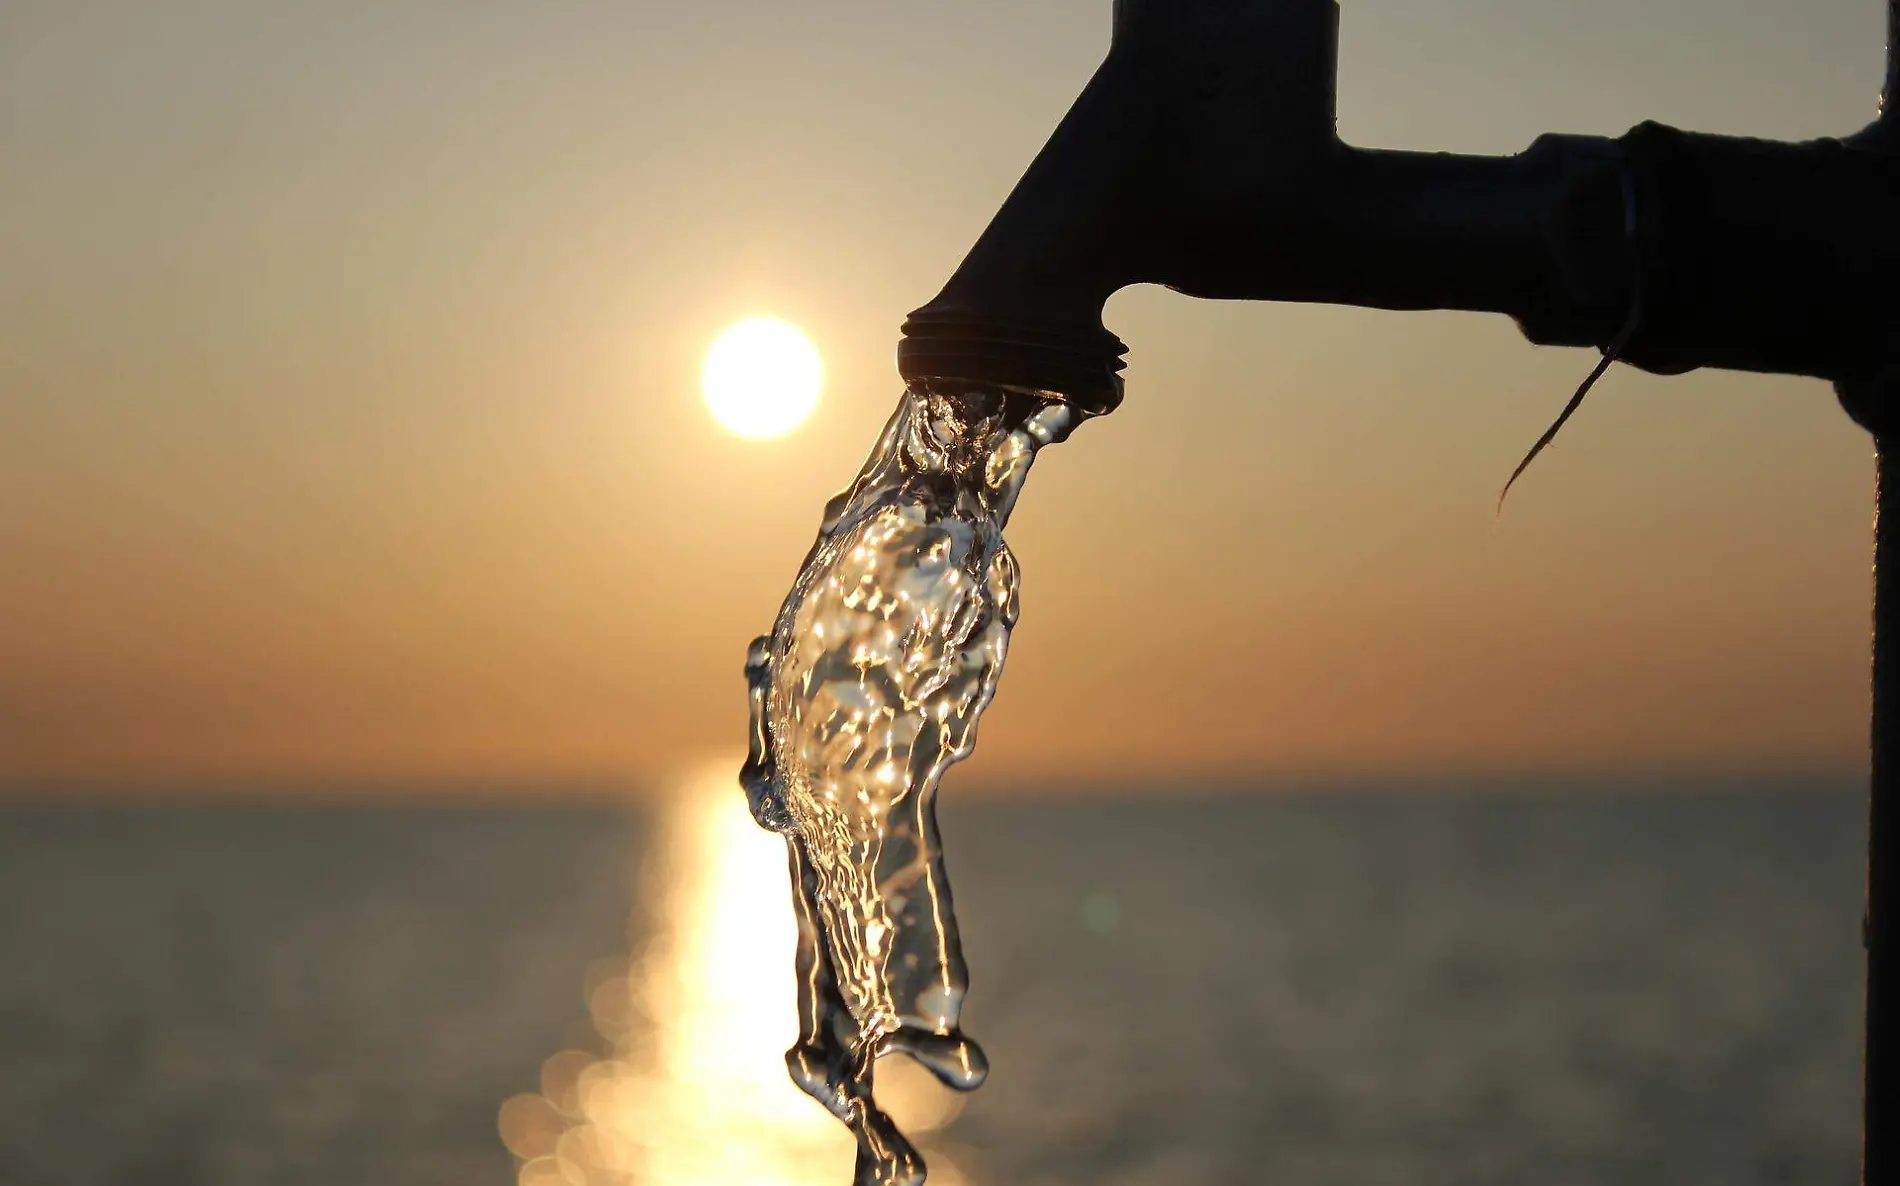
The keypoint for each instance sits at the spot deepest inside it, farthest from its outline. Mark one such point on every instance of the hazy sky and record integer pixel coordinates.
(350, 425)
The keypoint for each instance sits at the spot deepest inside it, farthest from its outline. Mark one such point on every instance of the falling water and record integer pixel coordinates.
(885, 654)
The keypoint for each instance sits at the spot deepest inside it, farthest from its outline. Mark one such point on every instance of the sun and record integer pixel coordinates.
(762, 378)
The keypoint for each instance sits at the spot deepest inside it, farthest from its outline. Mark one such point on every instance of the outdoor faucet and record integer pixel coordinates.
(1204, 156)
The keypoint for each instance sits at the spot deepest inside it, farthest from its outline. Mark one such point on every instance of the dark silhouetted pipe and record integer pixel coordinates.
(1204, 156)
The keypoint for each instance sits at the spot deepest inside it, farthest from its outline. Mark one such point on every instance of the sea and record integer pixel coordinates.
(1612, 982)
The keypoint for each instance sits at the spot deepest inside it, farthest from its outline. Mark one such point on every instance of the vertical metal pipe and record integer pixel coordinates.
(1880, 1149)
(1873, 402)
(1872, 405)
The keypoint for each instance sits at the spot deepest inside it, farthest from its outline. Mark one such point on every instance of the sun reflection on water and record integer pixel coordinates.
(695, 1091)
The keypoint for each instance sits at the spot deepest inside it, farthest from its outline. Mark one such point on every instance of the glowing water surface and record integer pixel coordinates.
(883, 657)
(682, 1085)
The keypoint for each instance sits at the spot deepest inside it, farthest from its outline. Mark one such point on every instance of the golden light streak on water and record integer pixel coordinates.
(695, 1091)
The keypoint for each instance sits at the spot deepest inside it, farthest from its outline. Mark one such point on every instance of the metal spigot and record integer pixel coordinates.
(1204, 156)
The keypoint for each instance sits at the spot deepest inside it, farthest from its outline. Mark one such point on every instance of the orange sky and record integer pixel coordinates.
(349, 424)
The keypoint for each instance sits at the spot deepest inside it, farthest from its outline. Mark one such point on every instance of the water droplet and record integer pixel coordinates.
(955, 1060)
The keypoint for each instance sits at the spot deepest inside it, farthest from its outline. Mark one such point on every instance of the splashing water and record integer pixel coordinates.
(868, 689)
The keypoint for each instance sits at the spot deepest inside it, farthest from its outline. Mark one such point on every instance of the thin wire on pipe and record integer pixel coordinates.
(1610, 355)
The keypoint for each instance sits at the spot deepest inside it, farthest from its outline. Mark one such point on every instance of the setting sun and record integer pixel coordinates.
(762, 378)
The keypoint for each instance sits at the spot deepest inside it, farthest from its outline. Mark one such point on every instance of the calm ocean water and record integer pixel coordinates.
(1407, 989)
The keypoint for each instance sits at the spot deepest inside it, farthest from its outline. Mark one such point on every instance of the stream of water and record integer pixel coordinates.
(870, 686)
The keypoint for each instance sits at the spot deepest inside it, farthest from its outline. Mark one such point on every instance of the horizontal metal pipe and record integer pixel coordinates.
(1203, 156)
(1537, 236)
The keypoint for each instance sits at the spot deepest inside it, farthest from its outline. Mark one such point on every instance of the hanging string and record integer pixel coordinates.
(1610, 355)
